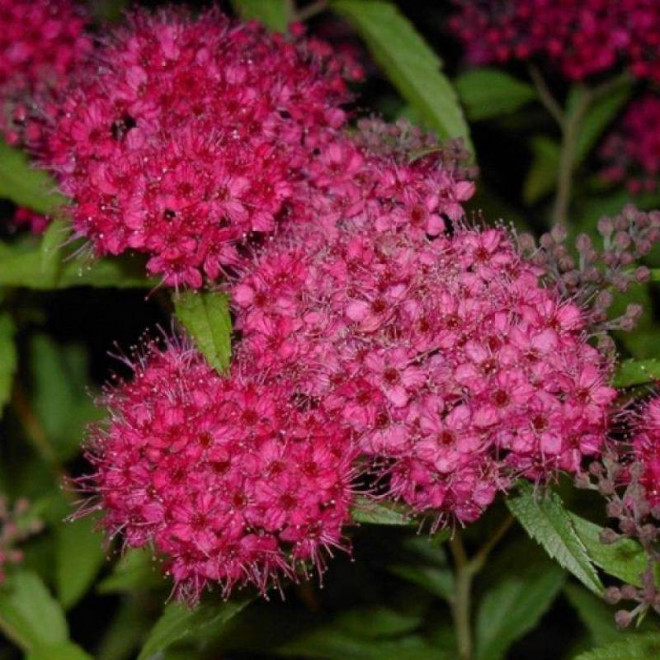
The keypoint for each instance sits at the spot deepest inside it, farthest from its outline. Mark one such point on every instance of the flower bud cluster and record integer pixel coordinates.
(15, 527)
(591, 274)
(628, 478)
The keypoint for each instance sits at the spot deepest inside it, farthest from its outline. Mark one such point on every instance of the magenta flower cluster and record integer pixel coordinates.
(631, 153)
(228, 480)
(454, 368)
(183, 137)
(580, 38)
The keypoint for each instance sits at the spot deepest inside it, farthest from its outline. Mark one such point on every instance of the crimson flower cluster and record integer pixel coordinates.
(184, 136)
(631, 153)
(454, 368)
(230, 481)
(580, 38)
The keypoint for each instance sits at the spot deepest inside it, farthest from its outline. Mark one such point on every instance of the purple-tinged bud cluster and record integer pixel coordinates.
(15, 526)
(228, 480)
(590, 273)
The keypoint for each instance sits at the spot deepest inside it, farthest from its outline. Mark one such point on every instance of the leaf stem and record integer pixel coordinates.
(305, 13)
(547, 98)
(570, 131)
(466, 569)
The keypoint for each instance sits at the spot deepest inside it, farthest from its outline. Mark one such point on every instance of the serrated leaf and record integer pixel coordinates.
(596, 616)
(624, 559)
(409, 63)
(79, 554)
(205, 316)
(179, 622)
(66, 651)
(29, 615)
(512, 608)
(8, 358)
(542, 176)
(24, 185)
(636, 372)
(634, 647)
(272, 13)
(372, 513)
(488, 93)
(547, 522)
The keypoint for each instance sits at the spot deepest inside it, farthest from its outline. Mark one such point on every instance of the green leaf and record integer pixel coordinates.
(79, 554)
(136, 570)
(624, 559)
(435, 580)
(369, 512)
(66, 651)
(22, 266)
(29, 615)
(547, 522)
(8, 358)
(179, 623)
(634, 647)
(636, 372)
(512, 608)
(24, 185)
(274, 14)
(51, 249)
(542, 175)
(600, 114)
(205, 316)
(409, 63)
(61, 400)
(488, 93)
(596, 616)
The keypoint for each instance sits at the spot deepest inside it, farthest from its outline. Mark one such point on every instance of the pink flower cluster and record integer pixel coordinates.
(579, 37)
(228, 480)
(646, 447)
(185, 136)
(454, 368)
(631, 153)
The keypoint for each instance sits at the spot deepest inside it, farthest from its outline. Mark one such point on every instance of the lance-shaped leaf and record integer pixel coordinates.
(636, 372)
(206, 318)
(545, 520)
(8, 358)
(488, 93)
(274, 14)
(24, 185)
(180, 622)
(408, 62)
(634, 647)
